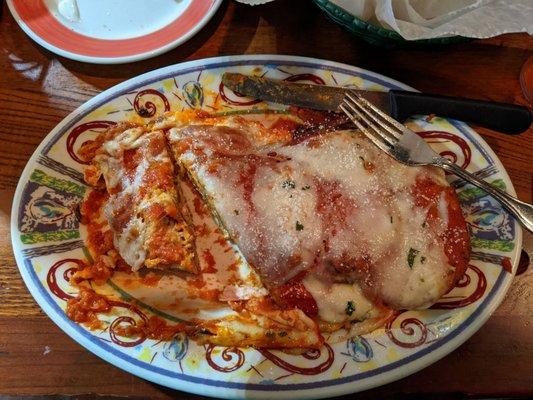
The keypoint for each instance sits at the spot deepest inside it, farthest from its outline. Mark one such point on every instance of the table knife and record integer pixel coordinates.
(510, 119)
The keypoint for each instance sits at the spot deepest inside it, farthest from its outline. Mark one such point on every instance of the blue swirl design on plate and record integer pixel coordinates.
(358, 349)
(194, 94)
(176, 350)
(490, 226)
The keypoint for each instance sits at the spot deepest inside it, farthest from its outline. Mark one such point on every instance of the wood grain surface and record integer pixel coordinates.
(38, 89)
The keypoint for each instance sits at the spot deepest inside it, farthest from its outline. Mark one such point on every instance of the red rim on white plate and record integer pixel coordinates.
(129, 37)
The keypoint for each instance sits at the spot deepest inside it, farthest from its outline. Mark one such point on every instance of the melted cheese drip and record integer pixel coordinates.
(131, 243)
(332, 300)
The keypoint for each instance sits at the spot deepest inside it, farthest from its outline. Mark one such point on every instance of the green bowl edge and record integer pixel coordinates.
(377, 35)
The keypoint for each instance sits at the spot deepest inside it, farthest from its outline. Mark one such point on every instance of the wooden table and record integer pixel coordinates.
(38, 89)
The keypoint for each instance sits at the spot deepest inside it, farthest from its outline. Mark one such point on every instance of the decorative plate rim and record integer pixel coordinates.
(377, 377)
(121, 59)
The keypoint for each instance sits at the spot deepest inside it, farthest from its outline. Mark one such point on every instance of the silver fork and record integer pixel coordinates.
(405, 146)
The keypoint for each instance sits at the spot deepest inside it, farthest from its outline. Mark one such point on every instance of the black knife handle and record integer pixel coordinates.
(506, 118)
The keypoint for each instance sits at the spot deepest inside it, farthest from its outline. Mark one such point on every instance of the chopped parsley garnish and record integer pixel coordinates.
(270, 334)
(288, 184)
(411, 257)
(299, 226)
(236, 212)
(282, 333)
(391, 219)
(424, 224)
(350, 308)
(306, 187)
(422, 260)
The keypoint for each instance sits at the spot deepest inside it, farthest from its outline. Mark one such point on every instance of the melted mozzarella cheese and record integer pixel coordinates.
(333, 301)
(427, 278)
(331, 202)
(131, 243)
(241, 292)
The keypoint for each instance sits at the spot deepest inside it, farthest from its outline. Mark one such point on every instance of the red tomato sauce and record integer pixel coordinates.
(210, 261)
(247, 180)
(197, 283)
(427, 193)
(99, 242)
(294, 295)
(85, 307)
(151, 279)
(88, 149)
(156, 144)
(209, 294)
(91, 207)
(284, 126)
(201, 230)
(199, 207)
(88, 304)
(158, 176)
(153, 328)
(99, 271)
(161, 245)
(131, 159)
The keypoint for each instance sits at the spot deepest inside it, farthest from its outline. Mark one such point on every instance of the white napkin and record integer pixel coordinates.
(426, 19)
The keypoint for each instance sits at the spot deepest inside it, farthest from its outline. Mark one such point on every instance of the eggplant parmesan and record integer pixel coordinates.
(265, 232)
(143, 209)
(328, 209)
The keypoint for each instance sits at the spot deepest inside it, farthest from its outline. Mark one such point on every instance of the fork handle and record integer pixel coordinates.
(510, 119)
(522, 211)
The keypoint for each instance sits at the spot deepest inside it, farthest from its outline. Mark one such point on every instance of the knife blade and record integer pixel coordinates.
(400, 104)
(318, 97)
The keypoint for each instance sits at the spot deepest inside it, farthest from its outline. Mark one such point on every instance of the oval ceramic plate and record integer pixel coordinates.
(112, 31)
(48, 242)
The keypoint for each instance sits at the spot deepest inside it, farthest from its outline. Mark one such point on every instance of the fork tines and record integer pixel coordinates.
(381, 129)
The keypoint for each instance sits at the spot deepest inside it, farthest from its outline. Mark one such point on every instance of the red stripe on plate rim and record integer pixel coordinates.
(38, 18)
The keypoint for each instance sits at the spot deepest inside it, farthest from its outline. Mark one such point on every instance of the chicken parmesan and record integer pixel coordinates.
(267, 233)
